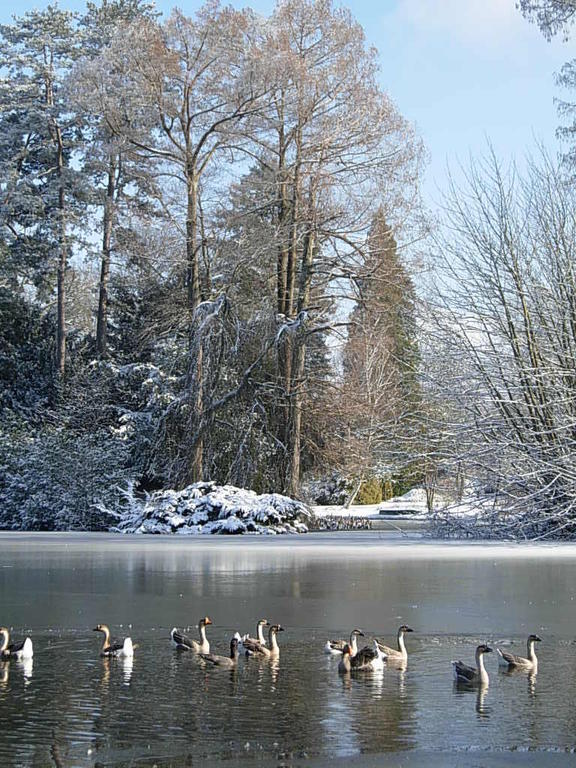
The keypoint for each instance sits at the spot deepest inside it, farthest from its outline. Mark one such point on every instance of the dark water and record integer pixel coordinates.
(71, 708)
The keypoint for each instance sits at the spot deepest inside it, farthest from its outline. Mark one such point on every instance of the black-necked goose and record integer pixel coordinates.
(366, 660)
(223, 661)
(510, 661)
(184, 643)
(124, 649)
(473, 675)
(272, 650)
(399, 654)
(18, 651)
(336, 647)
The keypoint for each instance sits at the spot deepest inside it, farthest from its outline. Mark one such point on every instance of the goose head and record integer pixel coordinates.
(357, 632)
(405, 628)
(101, 628)
(276, 628)
(263, 623)
(483, 649)
(205, 621)
(531, 639)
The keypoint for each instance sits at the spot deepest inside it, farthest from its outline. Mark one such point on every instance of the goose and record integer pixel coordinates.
(123, 650)
(223, 661)
(336, 647)
(366, 660)
(511, 661)
(259, 634)
(473, 675)
(184, 643)
(254, 648)
(18, 651)
(400, 654)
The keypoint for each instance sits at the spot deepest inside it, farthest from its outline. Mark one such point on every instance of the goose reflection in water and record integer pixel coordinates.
(27, 668)
(127, 665)
(123, 665)
(479, 692)
(515, 672)
(4, 673)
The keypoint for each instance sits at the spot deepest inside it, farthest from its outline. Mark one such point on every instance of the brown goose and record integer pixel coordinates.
(254, 648)
(336, 647)
(473, 675)
(510, 661)
(125, 649)
(366, 660)
(182, 642)
(18, 651)
(400, 654)
(223, 661)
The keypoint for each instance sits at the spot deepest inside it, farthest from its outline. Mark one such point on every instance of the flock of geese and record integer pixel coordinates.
(352, 658)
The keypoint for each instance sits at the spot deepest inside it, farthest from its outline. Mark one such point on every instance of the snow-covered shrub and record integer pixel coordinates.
(61, 481)
(328, 491)
(210, 508)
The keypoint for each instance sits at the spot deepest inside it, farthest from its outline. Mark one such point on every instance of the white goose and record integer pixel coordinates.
(182, 642)
(18, 651)
(125, 649)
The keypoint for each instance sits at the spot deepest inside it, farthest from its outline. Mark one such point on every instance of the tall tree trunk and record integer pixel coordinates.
(102, 318)
(196, 361)
(298, 372)
(62, 260)
(286, 351)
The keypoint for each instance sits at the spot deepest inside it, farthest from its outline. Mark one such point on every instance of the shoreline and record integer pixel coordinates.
(361, 544)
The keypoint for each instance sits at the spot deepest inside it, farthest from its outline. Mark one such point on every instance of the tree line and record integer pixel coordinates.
(200, 268)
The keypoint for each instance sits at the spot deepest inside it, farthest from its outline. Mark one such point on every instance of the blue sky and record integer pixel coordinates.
(464, 71)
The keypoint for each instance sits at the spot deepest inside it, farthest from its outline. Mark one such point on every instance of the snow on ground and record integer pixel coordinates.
(207, 508)
(412, 503)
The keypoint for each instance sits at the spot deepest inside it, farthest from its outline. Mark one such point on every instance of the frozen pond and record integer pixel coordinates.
(71, 708)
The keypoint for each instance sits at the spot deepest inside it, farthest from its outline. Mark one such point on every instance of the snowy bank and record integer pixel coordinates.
(411, 504)
(204, 508)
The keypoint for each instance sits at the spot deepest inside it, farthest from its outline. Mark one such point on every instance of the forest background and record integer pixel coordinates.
(215, 264)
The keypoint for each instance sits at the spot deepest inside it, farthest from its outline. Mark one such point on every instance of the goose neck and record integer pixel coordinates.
(401, 645)
(481, 668)
(272, 639)
(5, 635)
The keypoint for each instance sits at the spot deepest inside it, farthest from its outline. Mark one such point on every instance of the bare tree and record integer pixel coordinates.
(506, 322)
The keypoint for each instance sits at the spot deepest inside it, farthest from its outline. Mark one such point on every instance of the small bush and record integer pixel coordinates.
(370, 492)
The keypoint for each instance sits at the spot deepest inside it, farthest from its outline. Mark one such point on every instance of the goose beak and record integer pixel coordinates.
(207, 620)
(487, 649)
